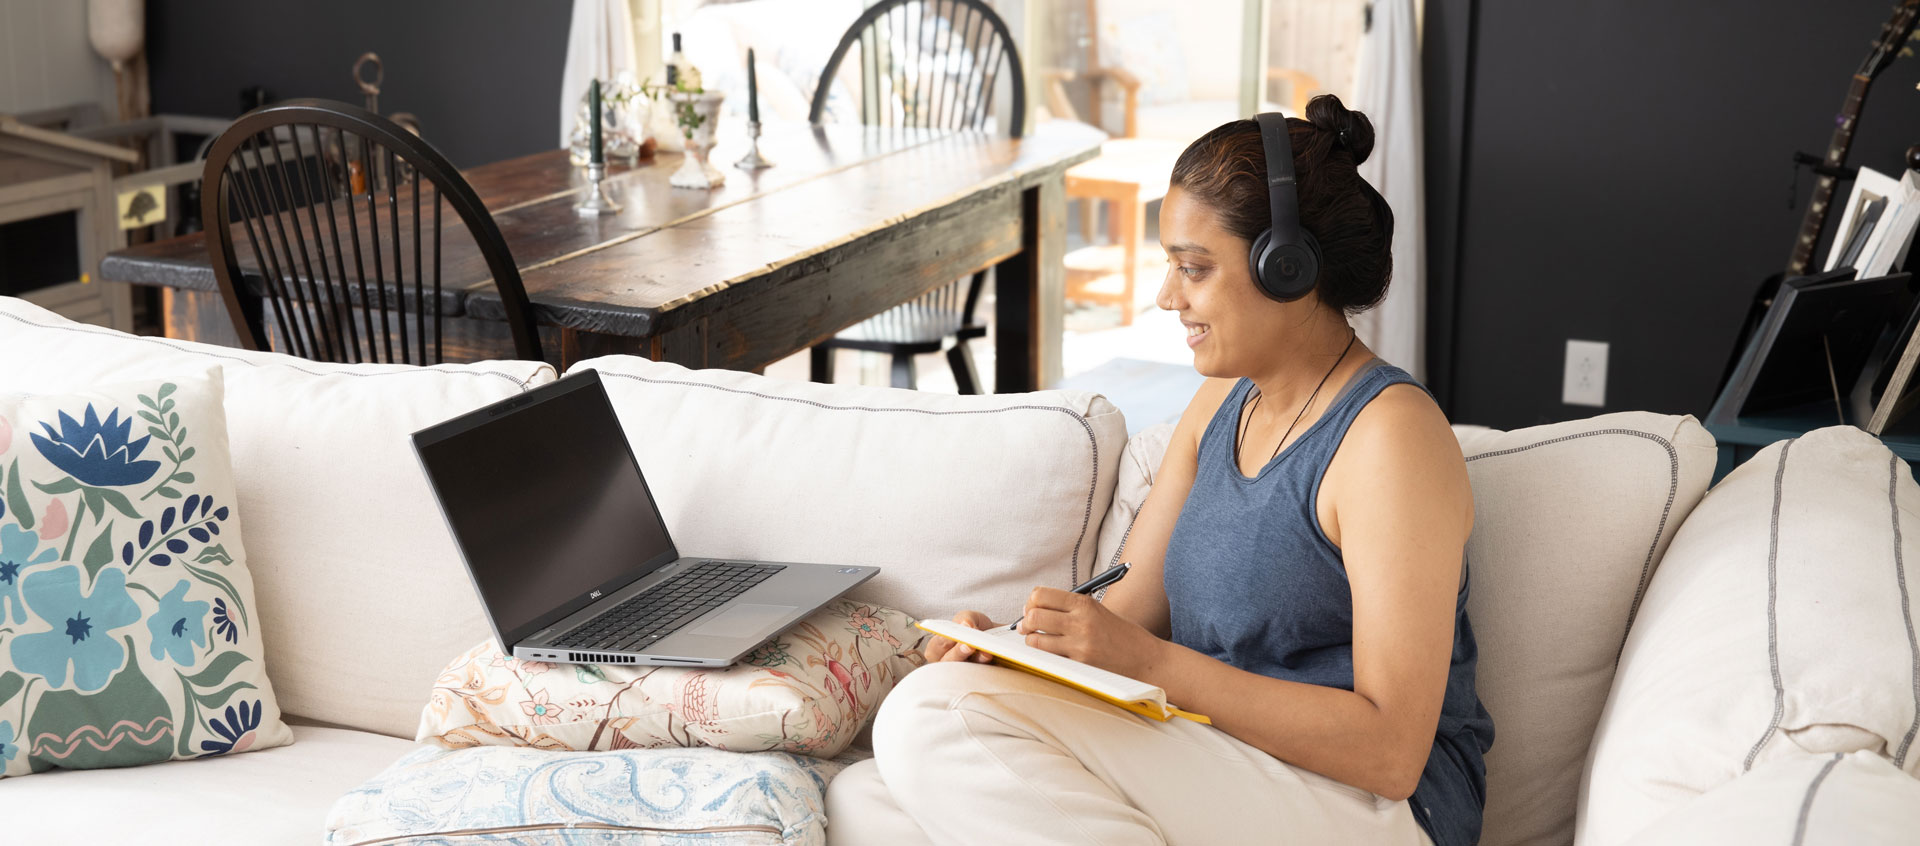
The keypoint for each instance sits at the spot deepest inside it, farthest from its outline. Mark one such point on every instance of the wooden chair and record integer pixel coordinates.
(930, 64)
(340, 207)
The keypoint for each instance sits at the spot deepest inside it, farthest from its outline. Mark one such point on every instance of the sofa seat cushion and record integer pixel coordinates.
(962, 501)
(636, 796)
(361, 588)
(1570, 520)
(1780, 624)
(273, 796)
(1841, 799)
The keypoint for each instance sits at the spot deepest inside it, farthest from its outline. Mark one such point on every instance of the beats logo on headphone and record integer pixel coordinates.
(1285, 258)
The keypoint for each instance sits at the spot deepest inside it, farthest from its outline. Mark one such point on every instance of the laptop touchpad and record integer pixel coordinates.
(745, 620)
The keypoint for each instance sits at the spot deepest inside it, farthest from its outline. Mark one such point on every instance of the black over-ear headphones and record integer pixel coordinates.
(1285, 258)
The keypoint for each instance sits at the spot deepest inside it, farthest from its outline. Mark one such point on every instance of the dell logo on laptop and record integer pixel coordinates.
(594, 595)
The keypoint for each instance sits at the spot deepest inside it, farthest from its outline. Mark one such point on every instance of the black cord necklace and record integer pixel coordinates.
(1353, 336)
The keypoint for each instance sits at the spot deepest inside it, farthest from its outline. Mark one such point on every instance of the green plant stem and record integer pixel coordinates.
(167, 479)
(79, 511)
(144, 589)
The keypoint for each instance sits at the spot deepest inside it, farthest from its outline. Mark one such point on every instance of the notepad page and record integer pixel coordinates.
(1003, 641)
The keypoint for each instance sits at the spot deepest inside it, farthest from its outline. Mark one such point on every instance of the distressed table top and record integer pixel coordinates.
(671, 254)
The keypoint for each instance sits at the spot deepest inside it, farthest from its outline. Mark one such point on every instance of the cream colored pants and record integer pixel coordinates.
(976, 754)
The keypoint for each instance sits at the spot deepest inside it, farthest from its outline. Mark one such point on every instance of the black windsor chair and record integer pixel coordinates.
(929, 64)
(344, 288)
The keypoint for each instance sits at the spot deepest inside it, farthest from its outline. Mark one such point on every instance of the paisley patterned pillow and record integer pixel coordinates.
(642, 797)
(128, 632)
(808, 690)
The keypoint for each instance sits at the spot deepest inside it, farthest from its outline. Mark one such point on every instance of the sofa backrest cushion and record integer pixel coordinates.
(1570, 520)
(1842, 799)
(1780, 625)
(963, 501)
(362, 594)
(1139, 464)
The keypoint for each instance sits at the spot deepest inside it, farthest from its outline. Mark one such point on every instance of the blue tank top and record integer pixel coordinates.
(1253, 581)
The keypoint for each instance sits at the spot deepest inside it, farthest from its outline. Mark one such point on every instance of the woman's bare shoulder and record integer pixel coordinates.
(1402, 434)
(1403, 420)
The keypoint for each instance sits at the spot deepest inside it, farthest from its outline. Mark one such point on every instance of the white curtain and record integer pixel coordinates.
(1387, 88)
(599, 46)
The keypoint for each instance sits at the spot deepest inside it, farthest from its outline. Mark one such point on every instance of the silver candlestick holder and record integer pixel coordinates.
(597, 202)
(753, 160)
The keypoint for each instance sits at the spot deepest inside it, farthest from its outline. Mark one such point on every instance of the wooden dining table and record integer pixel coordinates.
(850, 221)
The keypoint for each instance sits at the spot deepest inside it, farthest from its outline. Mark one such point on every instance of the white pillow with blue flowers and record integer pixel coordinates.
(127, 633)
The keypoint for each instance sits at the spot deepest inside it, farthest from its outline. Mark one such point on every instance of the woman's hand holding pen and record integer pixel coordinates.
(942, 649)
(1077, 626)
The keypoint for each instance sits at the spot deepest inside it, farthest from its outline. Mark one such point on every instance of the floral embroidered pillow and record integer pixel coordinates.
(127, 633)
(809, 691)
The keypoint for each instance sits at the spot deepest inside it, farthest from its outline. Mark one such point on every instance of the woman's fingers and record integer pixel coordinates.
(1044, 620)
(973, 620)
(945, 649)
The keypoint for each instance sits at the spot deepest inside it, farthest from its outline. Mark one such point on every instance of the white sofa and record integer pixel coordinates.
(967, 501)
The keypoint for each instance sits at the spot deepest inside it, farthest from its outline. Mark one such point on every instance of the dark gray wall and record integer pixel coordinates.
(1618, 171)
(482, 75)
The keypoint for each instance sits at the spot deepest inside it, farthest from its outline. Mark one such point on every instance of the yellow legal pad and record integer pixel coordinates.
(1011, 648)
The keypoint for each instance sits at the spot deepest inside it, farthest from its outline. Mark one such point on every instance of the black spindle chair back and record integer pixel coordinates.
(342, 212)
(929, 64)
(932, 64)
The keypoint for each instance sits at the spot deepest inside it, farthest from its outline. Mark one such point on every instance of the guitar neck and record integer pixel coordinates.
(1816, 217)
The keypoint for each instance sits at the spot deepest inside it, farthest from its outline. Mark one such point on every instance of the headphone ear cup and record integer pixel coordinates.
(1285, 272)
(1257, 260)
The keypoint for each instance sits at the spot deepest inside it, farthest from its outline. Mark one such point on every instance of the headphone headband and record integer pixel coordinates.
(1283, 189)
(1285, 258)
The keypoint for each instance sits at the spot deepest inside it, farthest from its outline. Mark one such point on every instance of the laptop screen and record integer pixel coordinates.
(546, 502)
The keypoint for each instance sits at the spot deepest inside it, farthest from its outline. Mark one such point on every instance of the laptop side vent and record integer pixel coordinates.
(598, 658)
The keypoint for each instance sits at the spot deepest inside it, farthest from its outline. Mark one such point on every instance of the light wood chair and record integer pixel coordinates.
(1131, 171)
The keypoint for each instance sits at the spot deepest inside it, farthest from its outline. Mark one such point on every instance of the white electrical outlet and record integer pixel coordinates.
(1586, 378)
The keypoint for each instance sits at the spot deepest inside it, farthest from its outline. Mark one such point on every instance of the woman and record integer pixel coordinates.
(1297, 575)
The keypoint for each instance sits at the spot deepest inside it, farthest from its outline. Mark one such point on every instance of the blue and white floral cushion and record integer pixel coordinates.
(128, 632)
(498, 795)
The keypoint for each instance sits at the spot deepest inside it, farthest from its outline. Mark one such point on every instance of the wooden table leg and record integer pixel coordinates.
(1029, 294)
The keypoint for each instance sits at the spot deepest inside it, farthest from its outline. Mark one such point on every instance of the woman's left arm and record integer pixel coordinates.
(1403, 512)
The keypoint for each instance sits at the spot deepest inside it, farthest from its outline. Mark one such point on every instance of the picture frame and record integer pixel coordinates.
(1812, 348)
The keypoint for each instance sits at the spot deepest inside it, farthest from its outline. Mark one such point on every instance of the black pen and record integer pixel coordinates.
(1089, 586)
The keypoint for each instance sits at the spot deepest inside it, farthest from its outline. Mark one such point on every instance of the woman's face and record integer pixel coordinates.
(1231, 327)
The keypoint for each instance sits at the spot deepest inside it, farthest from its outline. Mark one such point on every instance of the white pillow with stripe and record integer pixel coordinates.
(1842, 799)
(1570, 521)
(1779, 625)
(962, 501)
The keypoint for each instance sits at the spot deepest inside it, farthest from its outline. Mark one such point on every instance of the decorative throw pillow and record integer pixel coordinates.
(808, 691)
(128, 631)
(635, 796)
(1780, 625)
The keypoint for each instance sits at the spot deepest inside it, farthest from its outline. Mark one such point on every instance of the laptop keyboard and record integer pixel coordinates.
(648, 617)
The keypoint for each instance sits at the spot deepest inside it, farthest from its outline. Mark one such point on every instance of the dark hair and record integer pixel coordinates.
(1226, 170)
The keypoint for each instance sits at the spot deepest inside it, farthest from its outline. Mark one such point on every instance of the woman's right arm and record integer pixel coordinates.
(1142, 596)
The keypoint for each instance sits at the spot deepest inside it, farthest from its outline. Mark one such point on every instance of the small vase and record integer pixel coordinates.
(695, 171)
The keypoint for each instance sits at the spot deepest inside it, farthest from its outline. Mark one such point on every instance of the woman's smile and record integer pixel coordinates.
(1196, 332)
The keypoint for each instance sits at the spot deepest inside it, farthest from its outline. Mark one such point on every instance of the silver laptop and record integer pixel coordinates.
(568, 551)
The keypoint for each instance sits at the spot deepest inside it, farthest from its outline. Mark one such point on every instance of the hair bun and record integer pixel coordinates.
(1351, 130)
